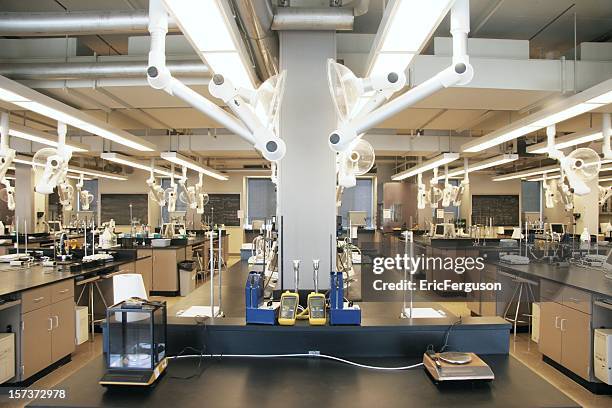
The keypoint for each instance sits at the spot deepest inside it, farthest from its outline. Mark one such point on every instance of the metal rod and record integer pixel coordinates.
(220, 261)
(211, 263)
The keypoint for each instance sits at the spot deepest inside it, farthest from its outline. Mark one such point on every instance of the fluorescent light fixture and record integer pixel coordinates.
(181, 160)
(27, 98)
(438, 161)
(129, 161)
(405, 28)
(33, 135)
(572, 139)
(71, 169)
(481, 165)
(577, 104)
(211, 29)
(548, 177)
(527, 173)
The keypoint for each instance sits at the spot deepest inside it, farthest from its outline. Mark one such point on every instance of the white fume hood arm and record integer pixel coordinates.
(460, 72)
(159, 77)
(6, 153)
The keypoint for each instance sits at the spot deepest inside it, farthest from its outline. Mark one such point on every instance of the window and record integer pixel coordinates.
(261, 199)
(358, 198)
(531, 196)
(92, 187)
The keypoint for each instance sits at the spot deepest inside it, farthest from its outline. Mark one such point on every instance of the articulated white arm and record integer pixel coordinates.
(6, 153)
(460, 72)
(159, 77)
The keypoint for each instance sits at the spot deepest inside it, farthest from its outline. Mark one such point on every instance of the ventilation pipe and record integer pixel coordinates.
(85, 70)
(256, 17)
(321, 19)
(75, 23)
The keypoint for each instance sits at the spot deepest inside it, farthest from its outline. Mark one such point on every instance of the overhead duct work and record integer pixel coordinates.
(256, 17)
(86, 70)
(75, 23)
(333, 18)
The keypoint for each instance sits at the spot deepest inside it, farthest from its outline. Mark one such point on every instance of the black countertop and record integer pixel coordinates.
(589, 279)
(285, 382)
(15, 279)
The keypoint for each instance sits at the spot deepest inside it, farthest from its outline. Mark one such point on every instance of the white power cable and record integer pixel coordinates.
(325, 356)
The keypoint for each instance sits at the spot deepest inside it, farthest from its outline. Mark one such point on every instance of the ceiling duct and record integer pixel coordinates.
(86, 70)
(256, 17)
(75, 23)
(332, 18)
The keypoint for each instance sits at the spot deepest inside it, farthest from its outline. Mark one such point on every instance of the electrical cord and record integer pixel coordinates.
(302, 355)
(199, 368)
(430, 347)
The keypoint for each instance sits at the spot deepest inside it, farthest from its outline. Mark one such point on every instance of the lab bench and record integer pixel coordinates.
(573, 301)
(38, 305)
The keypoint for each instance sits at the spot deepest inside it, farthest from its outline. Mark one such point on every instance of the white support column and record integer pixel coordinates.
(306, 187)
(25, 206)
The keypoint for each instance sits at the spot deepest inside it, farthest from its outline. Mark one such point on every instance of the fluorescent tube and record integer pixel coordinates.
(404, 30)
(211, 29)
(438, 161)
(27, 98)
(181, 160)
(23, 132)
(572, 139)
(577, 104)
(129, 161)
(485, 164)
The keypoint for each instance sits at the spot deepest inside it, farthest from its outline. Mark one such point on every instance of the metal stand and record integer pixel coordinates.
(403, 315)
(523, 285)
(220, 264)
(211, 263)
(89, 284)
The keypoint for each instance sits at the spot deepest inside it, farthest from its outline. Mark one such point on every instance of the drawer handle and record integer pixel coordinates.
(38, 299)
(64, 291)
(50, 324)
(574, 300)
(56, 321)
(556, 322)
(562, 326)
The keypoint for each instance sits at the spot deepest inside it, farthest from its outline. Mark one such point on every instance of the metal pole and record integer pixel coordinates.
(211, 263)
(220, 261)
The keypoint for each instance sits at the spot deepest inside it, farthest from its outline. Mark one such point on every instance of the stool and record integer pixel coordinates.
(522, 286)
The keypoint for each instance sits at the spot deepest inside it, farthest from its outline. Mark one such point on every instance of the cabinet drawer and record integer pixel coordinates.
(35, 298)
(577, 299)
(62, 290)
(551, 291)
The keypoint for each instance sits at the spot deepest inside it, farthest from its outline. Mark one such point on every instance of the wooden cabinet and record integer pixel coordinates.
(36, 329)
(165, 270)
(565, 332)
(550, 330)
(144, 267)
(47, 326)
(575, 329)
(64, 331)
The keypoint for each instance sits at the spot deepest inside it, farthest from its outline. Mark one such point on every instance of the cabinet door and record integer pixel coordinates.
(576, 341)
(36, 341)
(165, 272)
(144, 267)
(550, 330)
(64, 329)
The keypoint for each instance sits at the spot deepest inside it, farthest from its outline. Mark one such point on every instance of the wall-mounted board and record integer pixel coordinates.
(117, 207)
(223, 208)
(502, 209)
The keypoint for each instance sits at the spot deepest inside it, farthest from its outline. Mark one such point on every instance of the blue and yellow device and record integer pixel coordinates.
(290, 301)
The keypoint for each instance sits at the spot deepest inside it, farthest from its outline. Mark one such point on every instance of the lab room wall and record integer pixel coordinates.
(136, 184)
(481, 184)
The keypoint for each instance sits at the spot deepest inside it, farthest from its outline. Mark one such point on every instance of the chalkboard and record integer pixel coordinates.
(223, 208)
(503, 209)
(117, 207)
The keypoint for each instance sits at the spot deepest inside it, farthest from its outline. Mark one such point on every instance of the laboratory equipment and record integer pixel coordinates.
(7, 194)
(51, 164)
(171, 193)
(602, 355)
(136, 347)
(290, 301)
(258, 311)
(156, 191)
(316, 300)
(453, 366)
(341, 312)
